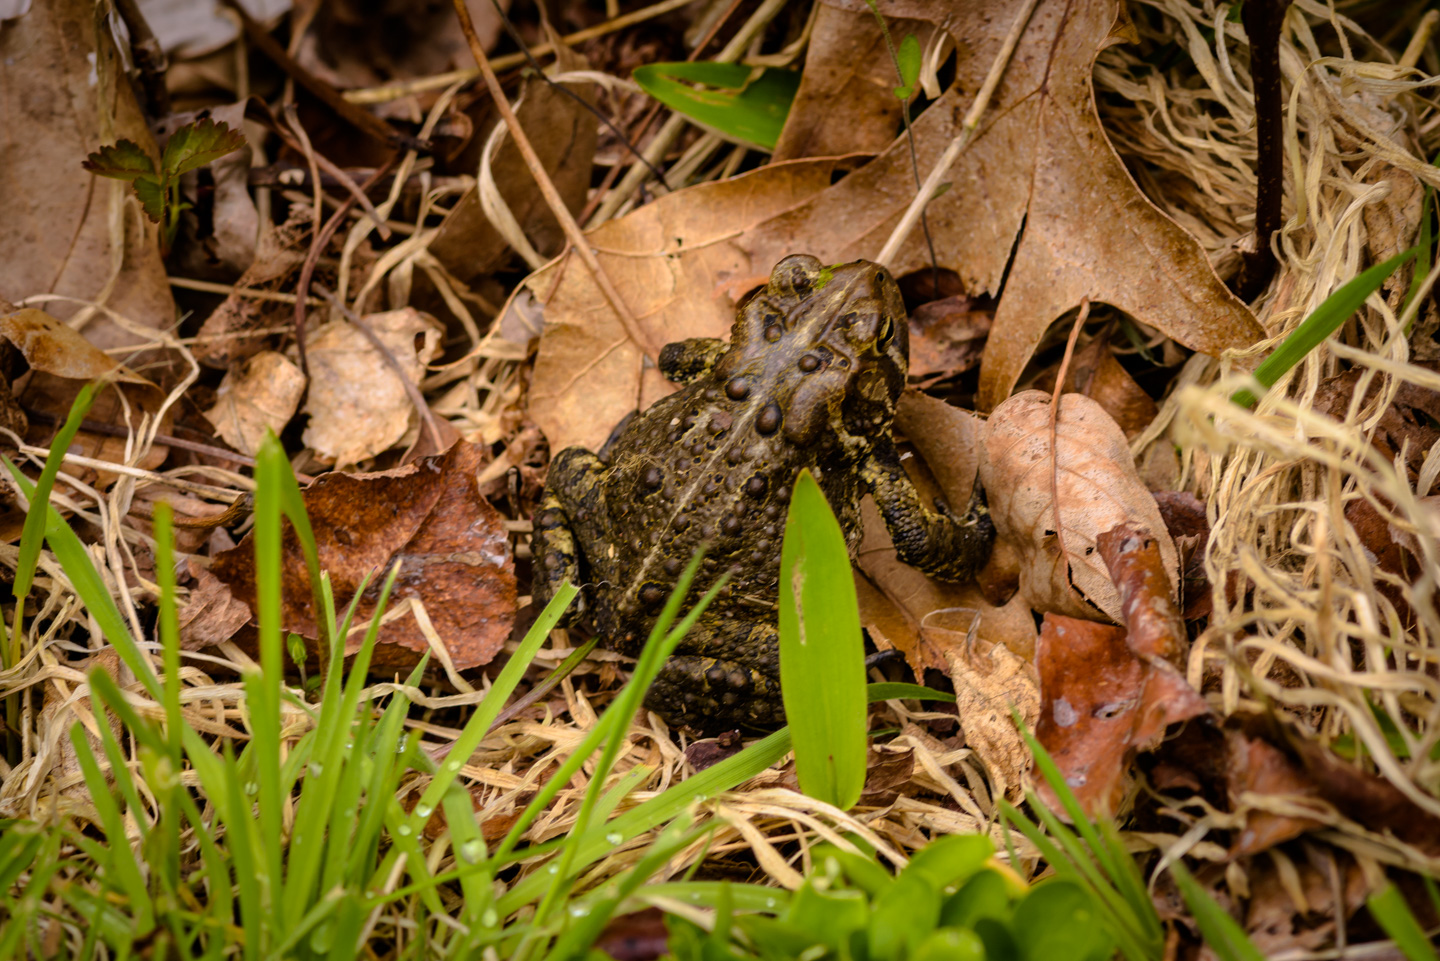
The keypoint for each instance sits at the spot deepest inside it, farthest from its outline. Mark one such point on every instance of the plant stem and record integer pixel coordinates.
(1263, 20)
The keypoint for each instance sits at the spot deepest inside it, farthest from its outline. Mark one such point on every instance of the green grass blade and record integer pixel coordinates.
(896, 691)
(600, 840)
(1220, 931)
(822, 653)
(1324, 321)
(33, 532)
(1390, 911)
(122, 870)
(90, 586)
(169, 626)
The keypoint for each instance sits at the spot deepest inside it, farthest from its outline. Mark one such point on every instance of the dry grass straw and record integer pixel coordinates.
(1276, 481)
(1317, 637)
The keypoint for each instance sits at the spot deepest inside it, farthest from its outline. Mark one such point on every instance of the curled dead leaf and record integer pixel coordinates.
(1098, 489)
(260, 394)
(1100, 704)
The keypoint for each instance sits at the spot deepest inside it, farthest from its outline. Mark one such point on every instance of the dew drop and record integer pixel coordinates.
(553, 869)
(578, 910)
(489, 918)
(472, 851)
(614, 837)
(315, 769)
(403, 830)
(423, 811)
(252, 788)
(452, 765)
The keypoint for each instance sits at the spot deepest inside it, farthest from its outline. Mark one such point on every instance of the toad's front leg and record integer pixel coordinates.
(572, 501)
(936, 544)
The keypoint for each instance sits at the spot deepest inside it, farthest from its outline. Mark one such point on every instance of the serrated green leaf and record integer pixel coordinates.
(907, 61)
(197, 144)
(747, 108)
(822, 653)
(152, 198)
(123, 160)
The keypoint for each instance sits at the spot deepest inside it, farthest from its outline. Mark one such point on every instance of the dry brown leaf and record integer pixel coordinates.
(948, 438)
(1096, 373)
(1040, 160)
(64, 230)
(563, 134)
(278, 256)
(62, 361)
(846, 102)
(357, 404)
(212, 614)
(947, 337)
(990, 682)
(1100, 703)
(1098, 490)
(431, 516)
(678, 264)
(259, 394)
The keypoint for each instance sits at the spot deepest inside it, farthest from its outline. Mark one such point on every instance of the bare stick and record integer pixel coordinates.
(403, 88)
(961, 140)
(547, 189)
(1054, 424)
(1262, 20)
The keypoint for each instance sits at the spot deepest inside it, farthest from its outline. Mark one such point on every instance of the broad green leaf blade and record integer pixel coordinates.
(122, 160)
(197, 144)
(1326, 319)
(1388, 907)
(747, 109)
(822, 654)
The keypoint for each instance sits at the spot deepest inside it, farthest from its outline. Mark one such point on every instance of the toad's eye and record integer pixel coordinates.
(886, 334)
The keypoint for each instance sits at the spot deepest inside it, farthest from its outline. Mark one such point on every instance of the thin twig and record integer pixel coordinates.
(318, 243)
(422, 409)
(356, 116)
(566, 91)
(149, 57)
(386, 92)
(547, 189)
(1054, 424)
(235, 290)
(961, 140)
(300, 143)
(1263, 20)
(164, 440)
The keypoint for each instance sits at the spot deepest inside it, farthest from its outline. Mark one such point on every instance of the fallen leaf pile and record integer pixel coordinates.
(1219, 621)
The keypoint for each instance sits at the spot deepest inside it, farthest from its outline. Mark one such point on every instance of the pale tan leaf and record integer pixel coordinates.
(357, 404)
(1098, 488)
(258, 395)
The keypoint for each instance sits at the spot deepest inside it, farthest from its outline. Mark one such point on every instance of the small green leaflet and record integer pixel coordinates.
(195, 145)
(907, 59)
(744, 107)
(124, 160)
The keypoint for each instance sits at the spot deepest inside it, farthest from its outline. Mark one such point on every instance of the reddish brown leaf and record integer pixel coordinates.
(1155, 632)
(704, 753)
(1099, 705)
(1095, 372)
(1257, 767)
(887, 770)
(430, 515)
(639, 936)
(947, 337)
